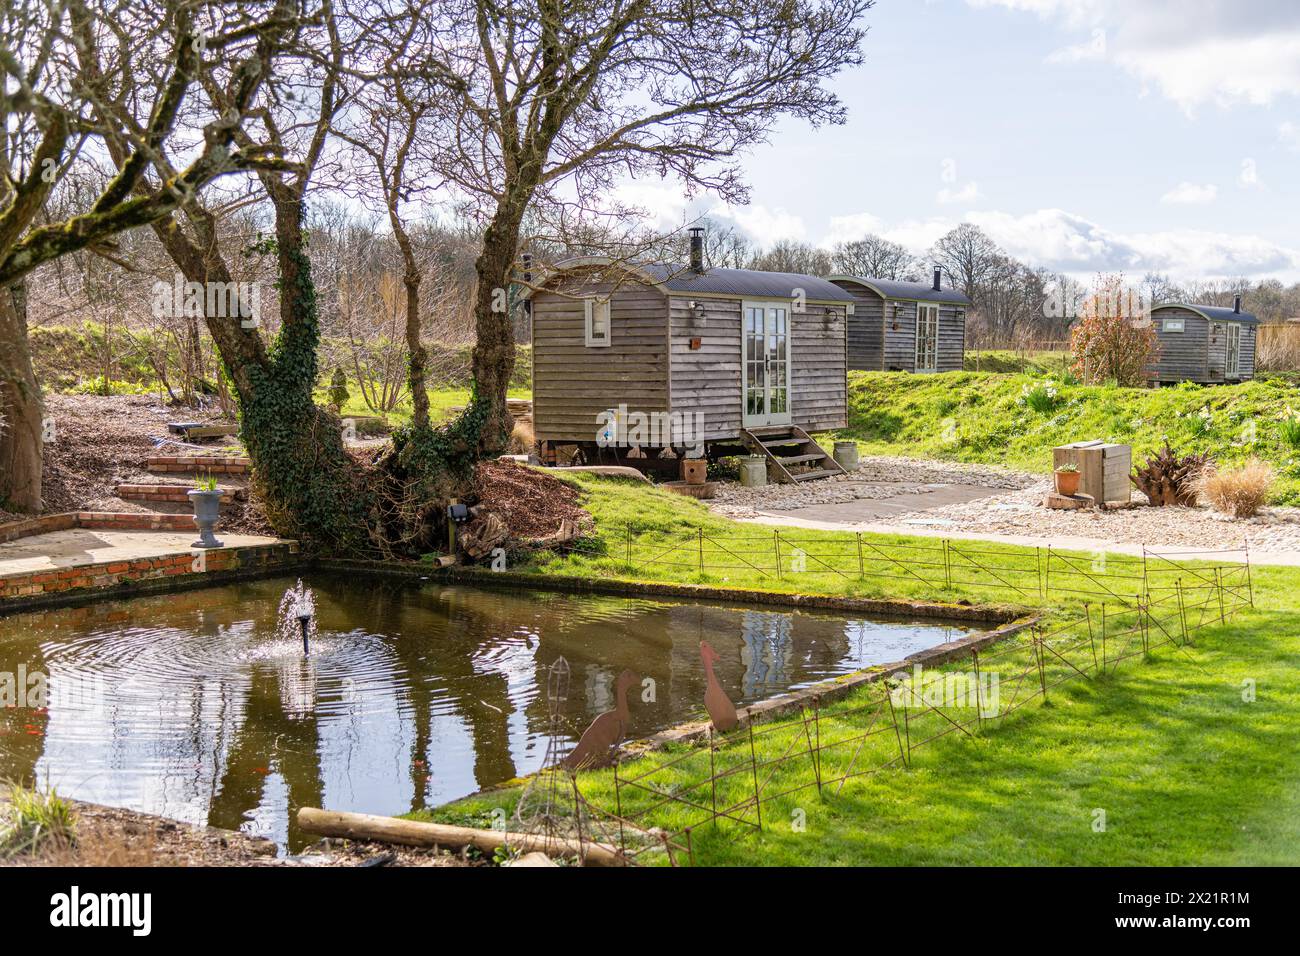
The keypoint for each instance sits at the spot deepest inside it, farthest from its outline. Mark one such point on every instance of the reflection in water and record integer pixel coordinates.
(192, 706)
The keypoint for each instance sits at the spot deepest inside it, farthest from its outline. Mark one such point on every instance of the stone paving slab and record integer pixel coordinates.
(76, 547)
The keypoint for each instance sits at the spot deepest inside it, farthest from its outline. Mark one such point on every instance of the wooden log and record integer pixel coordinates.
(367, 826)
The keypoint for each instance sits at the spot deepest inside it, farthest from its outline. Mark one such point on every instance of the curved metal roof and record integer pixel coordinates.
(677, 278)
(1214, 313)
(911, 291)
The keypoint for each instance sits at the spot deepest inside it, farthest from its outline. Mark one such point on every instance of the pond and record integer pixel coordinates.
(191, 706)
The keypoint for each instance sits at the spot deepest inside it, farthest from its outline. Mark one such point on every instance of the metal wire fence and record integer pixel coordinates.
(734, 779)
(937, 565)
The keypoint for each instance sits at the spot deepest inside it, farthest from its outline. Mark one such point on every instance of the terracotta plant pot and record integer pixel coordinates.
(1067, 483)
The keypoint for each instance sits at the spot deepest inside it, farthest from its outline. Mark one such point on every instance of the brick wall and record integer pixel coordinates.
(154, 573)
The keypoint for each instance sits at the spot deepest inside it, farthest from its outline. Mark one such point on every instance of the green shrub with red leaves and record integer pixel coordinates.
(1113, 339)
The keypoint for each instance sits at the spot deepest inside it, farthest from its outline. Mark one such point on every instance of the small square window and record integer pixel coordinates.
(1173, 325)
(597, 321)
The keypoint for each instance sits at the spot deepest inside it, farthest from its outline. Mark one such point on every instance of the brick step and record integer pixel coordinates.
(197, 464)
(177, 494)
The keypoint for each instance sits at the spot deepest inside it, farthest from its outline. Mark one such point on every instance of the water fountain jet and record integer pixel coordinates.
(298, 604)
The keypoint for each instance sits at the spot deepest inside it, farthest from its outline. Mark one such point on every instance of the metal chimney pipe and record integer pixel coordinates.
(697, 249)
(938, 279)
(1236, 305)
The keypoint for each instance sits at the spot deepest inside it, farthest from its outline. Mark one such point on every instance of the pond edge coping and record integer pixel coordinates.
(620, 587)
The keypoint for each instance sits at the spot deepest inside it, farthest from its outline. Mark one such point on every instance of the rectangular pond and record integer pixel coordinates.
(192, 706)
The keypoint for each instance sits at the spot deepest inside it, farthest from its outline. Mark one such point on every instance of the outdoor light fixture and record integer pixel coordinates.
(458, 513)
(697, 309)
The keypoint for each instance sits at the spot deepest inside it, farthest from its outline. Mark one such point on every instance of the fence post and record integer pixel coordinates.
(700, 543)
(1104, 659)
(893, 716)
(947, 564)
(862, 574)
(1092, 638)
(979, 702)
(1250, 584)
(628, 549)
(1182, 612)
(713, 778)
(753, 766)
(1047, 572)
(776, 547)
(1144, 625)
(1038, 569)
(1218, 586)
(1038, 649)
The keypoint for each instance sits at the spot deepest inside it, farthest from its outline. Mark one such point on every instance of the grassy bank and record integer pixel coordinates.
(983, 417)
(1187, 771)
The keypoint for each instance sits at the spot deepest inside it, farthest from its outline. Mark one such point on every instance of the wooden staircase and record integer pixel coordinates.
(791, 455)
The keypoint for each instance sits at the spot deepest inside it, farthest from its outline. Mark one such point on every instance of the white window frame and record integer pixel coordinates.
(589, 306)
(1174, 326)
(933, 352)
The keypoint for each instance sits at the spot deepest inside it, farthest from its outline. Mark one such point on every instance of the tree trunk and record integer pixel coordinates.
(417, 355)
(493, 359)
(22, 412)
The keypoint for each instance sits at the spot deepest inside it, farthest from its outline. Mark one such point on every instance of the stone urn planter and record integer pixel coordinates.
(207, 508)
(1067, 482)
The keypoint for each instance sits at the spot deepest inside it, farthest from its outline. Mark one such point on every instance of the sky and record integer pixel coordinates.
(1082, 135)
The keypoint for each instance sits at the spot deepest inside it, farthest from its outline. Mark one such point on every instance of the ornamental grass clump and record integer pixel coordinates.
(1238, 491)
(31, 821)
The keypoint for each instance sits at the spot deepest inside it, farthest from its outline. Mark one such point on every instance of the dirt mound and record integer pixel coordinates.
(531, 503)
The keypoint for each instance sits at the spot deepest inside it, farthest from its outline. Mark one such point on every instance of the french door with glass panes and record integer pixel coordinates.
(927, 338)
(765, 331)
(1232, 361)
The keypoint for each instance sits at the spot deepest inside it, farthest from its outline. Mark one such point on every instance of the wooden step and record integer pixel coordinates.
(810, 475)
(780, 442)
(800, 459)
(197, 465)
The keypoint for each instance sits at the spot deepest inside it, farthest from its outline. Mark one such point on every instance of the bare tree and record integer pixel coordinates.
(63, 67)
(968, 255)
(876, 257)
(788, 255)
(551, 104)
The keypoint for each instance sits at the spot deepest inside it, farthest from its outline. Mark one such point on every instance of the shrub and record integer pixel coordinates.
(1110, 341)
(32, 821)
(1240, 491)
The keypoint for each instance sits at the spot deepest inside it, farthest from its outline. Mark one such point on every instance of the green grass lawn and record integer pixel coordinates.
(1186, 771)
(981, 417)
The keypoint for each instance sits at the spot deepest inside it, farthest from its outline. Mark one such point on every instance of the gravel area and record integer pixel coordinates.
(1022, 513)
(875, 478)
(1017, 510)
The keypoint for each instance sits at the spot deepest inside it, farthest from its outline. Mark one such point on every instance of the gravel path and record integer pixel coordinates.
(1016, 511)
(874, 479)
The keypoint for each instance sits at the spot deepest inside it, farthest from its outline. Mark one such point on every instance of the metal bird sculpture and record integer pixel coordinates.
(606, 731)
(721, 710)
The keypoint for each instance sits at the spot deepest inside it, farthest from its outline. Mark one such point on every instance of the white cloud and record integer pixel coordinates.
(1065, 242)
(966, 194)
(1191, 194)
(1212, 51)
(1288, 135)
